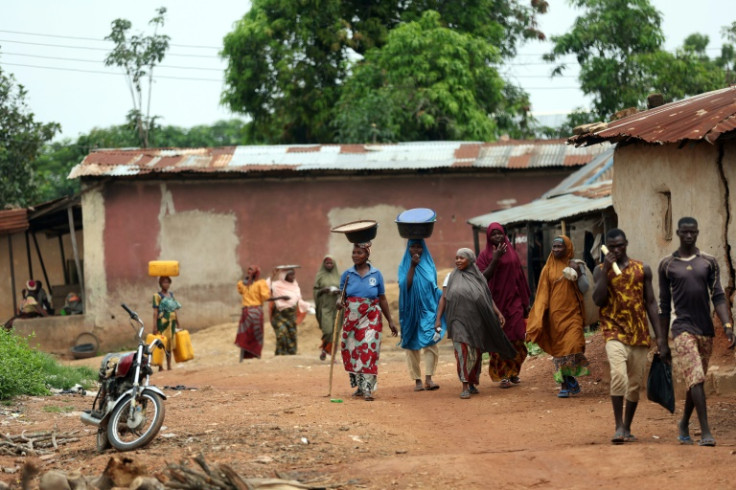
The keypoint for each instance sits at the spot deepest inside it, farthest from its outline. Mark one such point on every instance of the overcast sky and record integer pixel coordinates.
(56, 50)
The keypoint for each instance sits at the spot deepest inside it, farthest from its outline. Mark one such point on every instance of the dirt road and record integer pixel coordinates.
(271, 416)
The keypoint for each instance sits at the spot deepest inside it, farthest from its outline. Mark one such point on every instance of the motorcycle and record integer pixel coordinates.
(127, 411)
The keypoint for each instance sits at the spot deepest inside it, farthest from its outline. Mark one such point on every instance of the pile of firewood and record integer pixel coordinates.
(35, 443)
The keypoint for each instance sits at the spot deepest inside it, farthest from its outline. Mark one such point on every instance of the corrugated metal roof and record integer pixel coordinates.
(343, 158)
(706, 117)
(13, 221)
(598, 170)
(581, 200)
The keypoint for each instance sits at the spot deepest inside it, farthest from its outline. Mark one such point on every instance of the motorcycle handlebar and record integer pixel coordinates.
(132, 313)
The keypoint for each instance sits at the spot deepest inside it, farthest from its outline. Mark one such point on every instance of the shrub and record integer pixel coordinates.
(26, 371)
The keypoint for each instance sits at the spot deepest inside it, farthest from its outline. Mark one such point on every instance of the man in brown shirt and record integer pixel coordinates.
(625, 299)
(690, 280)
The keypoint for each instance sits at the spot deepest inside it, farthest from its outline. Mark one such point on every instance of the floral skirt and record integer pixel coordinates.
(284, 326)
(361, 341)
(500, 368)
(573, 365)
(250, 332)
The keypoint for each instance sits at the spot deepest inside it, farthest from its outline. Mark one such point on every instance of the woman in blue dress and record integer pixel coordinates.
(418, 300)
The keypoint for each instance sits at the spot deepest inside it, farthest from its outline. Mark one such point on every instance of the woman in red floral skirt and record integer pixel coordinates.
(365, 300)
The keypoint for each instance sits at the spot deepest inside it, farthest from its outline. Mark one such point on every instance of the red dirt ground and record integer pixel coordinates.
(253, 416)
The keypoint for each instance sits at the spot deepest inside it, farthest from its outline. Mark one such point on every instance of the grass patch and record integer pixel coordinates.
(26, 371)
(56, 409)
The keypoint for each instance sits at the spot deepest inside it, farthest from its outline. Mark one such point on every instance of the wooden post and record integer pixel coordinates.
(12, 273)
(43, 266)
(476, 240)
(562, 224)
(63, 259)
(28, 255)
(73, 234)
(335, 328)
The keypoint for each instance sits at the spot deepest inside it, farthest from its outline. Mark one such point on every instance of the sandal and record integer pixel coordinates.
(618, 438)
(708, 442)
(505, 383)
(630, 438)
(563, 393)
(418, 388)
(465, 394)
(573, 386)
(357, 393)
(368, 396)
(685, 440)
(431, 386)
(515, 380)
(473, 390)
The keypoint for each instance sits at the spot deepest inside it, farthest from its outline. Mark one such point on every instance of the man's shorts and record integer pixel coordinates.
(691, 356)
(628, 364)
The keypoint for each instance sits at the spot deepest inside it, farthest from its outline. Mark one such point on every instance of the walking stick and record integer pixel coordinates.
(334, 333)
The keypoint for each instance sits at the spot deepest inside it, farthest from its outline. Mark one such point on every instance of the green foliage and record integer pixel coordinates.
(21, 140)
(295, 68)
(25, 371)
(137, 55)
(617, 44)
(58, 158)
(427, 83)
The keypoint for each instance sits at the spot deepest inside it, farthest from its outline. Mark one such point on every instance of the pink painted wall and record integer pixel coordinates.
(286, 220)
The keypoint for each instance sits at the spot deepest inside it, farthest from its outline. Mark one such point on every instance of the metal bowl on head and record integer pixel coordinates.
(360, 231)
(417, 223)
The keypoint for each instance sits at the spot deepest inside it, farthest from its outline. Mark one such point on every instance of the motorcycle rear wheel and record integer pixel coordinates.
(149, 417)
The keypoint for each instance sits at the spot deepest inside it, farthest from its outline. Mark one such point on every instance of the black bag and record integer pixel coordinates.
(659, 384)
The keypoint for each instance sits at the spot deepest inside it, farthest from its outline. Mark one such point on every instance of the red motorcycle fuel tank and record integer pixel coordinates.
(124, 365)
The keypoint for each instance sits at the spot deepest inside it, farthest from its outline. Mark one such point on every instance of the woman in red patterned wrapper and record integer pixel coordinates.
(365, 300)
(254, 292)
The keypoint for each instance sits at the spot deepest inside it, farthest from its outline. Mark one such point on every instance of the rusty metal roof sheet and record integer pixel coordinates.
(598, 170)
(707, 117)
(579, 201)
(341, 158)
(13, 221)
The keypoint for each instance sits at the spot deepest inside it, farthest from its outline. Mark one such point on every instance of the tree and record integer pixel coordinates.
(21, 140)
(289, 62)
(617, 44)
(137, 55)
(608, 39)
(58, 158)
(427, 83)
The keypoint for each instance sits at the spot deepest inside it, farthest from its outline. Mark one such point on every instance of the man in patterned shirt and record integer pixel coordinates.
(625, 300)
(690, 280)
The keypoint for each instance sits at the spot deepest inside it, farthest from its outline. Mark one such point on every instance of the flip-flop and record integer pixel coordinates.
(505, 383)
(563, 393)
(418, 388)
(465, 395)
(515, 380)
(710, 442)
(432, 386)
(685, 440)
(473, 390)
(357, 393)
(630, 438)
(618, 439)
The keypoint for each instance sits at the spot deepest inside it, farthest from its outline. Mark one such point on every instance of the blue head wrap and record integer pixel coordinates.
(418, 305)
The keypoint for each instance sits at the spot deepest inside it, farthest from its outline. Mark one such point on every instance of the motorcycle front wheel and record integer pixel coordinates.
(126, 433)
